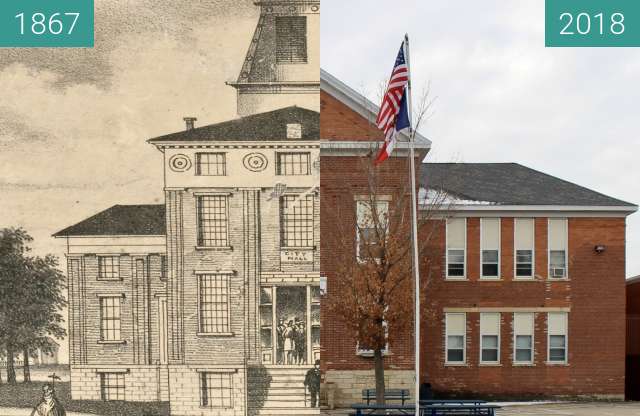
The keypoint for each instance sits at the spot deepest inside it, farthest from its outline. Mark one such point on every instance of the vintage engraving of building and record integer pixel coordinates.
(211, 301)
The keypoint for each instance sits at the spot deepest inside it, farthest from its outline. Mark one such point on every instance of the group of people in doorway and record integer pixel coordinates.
(292, 342)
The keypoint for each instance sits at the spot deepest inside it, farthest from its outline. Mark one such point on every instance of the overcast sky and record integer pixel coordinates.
(501, 95)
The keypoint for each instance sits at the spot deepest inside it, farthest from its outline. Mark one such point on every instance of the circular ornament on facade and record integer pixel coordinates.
(179, 163)
(315, 8)
(255, 162)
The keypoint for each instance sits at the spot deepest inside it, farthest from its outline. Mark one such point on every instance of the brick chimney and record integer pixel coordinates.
(190, 122)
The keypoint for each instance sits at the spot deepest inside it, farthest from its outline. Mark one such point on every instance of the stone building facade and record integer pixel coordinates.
(211, 301)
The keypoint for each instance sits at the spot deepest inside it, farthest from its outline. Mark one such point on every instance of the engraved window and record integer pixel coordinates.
(370, 233)
(110, 318)
(296, 220)
(212, 221)
(112, 386)
(164, 268)
(295, 164)
(214, 303)
(216, 390)
(211, 164)
(108, 267)
(291, 39)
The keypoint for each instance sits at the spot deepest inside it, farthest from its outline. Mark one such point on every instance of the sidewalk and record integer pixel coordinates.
(14, 411)
(565, 409)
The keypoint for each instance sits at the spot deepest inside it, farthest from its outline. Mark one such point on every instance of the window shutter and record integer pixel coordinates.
(456, 228)
(557, 323)
(524, 238)
(456, 323)
(490, 233)
(523, 323)
(291, 39)
(557, 234)
(490, 323)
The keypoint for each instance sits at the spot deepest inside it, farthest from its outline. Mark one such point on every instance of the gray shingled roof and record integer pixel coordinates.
(271, 125)
(509, 184)
(121, 220)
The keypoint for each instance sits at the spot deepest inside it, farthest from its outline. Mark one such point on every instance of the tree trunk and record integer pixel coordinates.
(379, 372)
(11, 371)
(25, 368)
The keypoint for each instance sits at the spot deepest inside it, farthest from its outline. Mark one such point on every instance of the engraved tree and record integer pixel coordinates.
(31, 299)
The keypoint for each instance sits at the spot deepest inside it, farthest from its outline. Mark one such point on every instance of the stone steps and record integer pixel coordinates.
(283, 394)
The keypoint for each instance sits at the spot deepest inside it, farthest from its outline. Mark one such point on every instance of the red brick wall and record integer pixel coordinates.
(594, 292)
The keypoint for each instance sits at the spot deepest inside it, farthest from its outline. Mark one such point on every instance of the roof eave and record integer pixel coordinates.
(619, 209)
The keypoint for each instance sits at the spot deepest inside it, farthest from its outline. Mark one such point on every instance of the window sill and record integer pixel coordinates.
(557, 364)
(214, 248)
(557, 279)
(215, 334)
(369, 354)
(115, 342)
(114, 279)
(455, 279)
(489, 279)
(489, 365)
(525, 279)
(523, 364)
(456, 365)
(309, 248)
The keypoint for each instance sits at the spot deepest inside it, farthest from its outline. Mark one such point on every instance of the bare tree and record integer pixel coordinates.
(371, 247)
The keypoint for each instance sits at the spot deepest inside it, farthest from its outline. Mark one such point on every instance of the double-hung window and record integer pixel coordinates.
(524, 247)
(557, 325)
(523, 325)
(558, 248)
(371, 231)
(455, 338)
(490, 246)
(296, 221)
(212, 221)
(110, 318)
(489, 338)
(456, 247)
(213, 304)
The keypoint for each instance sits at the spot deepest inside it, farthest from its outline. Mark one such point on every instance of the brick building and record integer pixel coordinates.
(211, 300)
(523, 287)
(632, 391)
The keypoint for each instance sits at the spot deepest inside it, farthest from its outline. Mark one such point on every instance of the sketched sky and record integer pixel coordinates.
(501, 95)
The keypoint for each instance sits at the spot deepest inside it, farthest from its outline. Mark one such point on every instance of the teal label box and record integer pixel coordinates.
(598, 23)
(46, 23)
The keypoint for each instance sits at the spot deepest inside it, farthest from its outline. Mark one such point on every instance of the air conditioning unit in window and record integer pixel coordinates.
(557, 272)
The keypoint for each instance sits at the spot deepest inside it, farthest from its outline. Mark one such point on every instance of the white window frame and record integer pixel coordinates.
(498, 276)
(533, 339)
(446, 249)
(566, 250)
(566, 340)
(533, 252)
(228, 275)
(499, 338)
(446, 340)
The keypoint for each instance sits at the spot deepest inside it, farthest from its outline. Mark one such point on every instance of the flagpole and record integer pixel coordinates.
(414, 228)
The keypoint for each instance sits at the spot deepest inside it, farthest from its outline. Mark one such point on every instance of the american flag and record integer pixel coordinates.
(394, 116)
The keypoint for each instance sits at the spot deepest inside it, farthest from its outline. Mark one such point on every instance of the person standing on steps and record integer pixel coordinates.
(312, 382)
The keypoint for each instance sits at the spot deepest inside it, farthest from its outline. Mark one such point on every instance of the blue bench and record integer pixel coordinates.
(437, 408)
(402, 395)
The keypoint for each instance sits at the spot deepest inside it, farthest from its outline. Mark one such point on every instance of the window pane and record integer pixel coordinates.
(523, 341)
(456, 256)
(455, 342)
(214, 303)
(490, 270)
(557, 341)
(212, 221)
(490, 355)
(524, 270)
(211, 164)
(523, 355)
(296, 220)
(294, 164)
(489, 256)
(523, 256)
(108, 267)
(557, 354)
(216, 390)
(557, 258)
(490, 341)
(455, 355)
